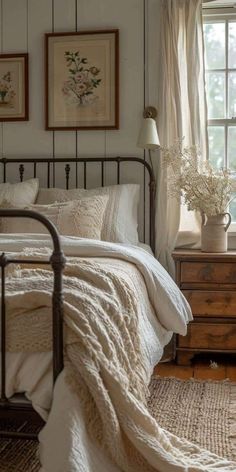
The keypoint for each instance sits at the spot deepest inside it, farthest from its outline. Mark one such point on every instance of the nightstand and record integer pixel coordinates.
(208, 281)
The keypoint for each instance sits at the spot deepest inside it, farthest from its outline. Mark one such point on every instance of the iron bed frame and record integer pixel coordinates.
(11, 409)
(8, 408)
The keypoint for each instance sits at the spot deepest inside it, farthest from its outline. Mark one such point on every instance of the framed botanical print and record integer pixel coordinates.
(82, 80)
(14, 87)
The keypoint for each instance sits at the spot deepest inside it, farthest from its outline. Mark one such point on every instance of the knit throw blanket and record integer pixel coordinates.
(103, 362)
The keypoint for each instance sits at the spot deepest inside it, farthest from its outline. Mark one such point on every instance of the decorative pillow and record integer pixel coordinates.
(20, 194)
(120, 222)
(82, 218)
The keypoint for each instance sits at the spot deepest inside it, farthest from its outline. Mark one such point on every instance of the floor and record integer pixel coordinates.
(218, 368)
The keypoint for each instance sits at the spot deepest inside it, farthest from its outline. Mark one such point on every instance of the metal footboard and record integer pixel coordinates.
(11, 408)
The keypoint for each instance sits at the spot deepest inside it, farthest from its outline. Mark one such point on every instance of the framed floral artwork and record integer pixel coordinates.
(82, 80)
(14, 87)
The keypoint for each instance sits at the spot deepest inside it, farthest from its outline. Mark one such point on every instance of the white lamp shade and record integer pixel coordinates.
(148, 136)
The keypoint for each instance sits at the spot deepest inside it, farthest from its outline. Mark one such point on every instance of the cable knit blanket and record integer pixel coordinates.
(99, 412)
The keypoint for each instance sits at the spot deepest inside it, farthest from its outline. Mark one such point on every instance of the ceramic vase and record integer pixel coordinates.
(214, 232)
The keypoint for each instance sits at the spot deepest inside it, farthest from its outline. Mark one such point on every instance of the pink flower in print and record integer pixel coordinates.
(82, 81)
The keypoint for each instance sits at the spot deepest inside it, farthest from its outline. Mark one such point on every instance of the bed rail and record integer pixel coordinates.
(8, 407)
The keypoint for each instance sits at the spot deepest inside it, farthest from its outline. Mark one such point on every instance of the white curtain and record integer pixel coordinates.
(181, 108)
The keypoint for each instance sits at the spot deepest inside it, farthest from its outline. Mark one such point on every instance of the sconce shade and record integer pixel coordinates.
(148, 136)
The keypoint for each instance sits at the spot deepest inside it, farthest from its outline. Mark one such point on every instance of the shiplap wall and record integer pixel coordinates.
(22, 27)
(23, 24)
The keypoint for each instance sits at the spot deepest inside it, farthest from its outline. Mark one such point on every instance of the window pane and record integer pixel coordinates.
(232, 208)
(215, 82)
(232, 44)
(232, 147)
(216, 136)
(214, 40)
(232, 94)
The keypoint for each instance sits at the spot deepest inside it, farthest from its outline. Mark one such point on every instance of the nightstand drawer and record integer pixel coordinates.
(212, 303)
(210, 272)
(209, 336)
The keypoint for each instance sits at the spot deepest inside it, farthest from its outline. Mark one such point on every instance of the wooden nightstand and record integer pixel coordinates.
(208, 281)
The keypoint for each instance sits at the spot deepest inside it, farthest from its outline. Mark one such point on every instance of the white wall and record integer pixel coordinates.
(23, 24)
(22, 27)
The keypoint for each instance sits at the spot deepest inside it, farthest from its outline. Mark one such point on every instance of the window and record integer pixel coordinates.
(220, 65)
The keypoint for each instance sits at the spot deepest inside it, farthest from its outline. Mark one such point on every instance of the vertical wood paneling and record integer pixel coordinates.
(64, 15)
(89, 18)
(129, 20)
(1, 24)
(14, 26)
(14, 39)
(153, 50)
(24, 28)
(1, 31)
(131, 76)
(152, 53)
(65, 20)
(29, 138)
(40, 21)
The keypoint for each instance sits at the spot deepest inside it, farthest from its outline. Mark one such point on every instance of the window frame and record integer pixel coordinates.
(214, 15)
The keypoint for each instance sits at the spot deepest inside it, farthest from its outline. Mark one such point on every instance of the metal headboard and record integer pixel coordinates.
(51, 164)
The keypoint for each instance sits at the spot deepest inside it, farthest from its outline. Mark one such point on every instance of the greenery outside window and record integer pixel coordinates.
(220, 66)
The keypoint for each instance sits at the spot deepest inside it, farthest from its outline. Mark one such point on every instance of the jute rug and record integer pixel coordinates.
(203, 412)
(18, 455)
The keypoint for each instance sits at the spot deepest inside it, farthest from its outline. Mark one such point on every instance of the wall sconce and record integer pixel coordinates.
(148, 135)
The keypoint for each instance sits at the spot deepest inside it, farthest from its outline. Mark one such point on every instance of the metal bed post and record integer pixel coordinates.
(8, 409)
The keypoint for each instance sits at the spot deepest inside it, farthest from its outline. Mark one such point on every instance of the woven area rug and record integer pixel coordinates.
(18, 455)
(203, 412)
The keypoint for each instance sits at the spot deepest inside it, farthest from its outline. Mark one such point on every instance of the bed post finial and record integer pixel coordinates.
(21, 171)
(67, 171)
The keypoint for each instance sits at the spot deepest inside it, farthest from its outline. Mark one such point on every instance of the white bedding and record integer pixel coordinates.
(173, 310)
(66, 445)
(154, 336)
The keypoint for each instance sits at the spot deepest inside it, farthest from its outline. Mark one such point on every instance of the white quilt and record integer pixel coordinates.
(135, 441)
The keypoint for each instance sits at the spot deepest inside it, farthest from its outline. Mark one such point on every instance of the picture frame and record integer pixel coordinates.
(14, 100)
(81, 80)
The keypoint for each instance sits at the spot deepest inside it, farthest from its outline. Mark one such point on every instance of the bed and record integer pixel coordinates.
(76, 166)
(120, 308)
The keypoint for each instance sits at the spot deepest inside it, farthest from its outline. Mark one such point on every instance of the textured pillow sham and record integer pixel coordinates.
(82, 218)
(20, 194)
(120, 222)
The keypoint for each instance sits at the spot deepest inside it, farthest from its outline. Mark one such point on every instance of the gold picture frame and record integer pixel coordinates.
(82, 80)
(14, 103)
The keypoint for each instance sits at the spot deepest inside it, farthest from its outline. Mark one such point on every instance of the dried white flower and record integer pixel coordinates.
(201, 187)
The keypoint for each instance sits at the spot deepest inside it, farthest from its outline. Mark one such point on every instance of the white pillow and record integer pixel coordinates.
(120, 222)
(82, 218)
(20, 194)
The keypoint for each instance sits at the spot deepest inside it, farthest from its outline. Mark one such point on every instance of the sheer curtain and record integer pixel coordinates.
(181, 109)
